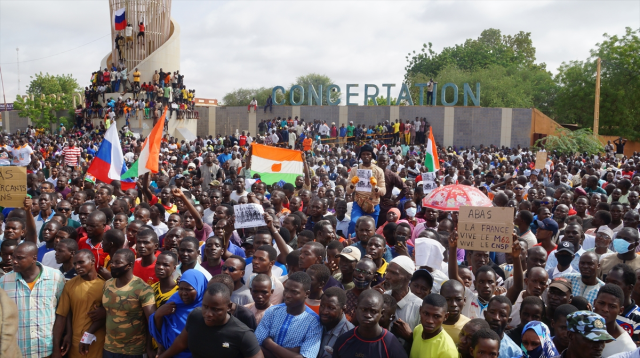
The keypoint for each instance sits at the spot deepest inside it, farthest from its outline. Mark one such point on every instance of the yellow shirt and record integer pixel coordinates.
(454, 329)
(440, 346)
(136, 76)
(396, 127)
(79, 297)
(162, 297)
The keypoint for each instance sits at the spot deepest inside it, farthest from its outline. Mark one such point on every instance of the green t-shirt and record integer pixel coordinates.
(441, 346)
(126, 323)
(350, 130)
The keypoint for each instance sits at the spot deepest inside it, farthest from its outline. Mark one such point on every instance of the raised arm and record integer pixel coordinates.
(518, 275)
(177, 193)
(31, 233)
(453, 260)
(307, 176)
(282, 246)
(145, 187)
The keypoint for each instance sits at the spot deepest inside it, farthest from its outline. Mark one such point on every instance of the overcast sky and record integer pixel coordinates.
(227, 45)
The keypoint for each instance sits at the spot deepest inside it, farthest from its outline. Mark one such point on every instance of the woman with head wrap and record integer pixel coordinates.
(169, 320)
(393, 215)
(536, 341)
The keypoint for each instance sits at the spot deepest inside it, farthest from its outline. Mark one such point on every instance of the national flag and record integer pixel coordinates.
(274, 164)
(150, 153)
(109, 163)
(431, 159)
(120, 19)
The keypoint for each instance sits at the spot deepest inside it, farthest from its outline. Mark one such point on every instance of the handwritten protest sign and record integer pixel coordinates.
(485, 229)
(364, 184)
(13, 186)
(541, 160)
(249, 215)
(428, 182)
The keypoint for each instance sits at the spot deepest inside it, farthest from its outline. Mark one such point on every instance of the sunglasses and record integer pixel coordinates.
(516, 188)
(544, 203)
(230, 269)
(64, 209)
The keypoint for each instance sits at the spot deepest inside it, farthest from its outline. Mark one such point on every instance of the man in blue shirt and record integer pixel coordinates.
(497, 315)
(224, 156)
(291, 326)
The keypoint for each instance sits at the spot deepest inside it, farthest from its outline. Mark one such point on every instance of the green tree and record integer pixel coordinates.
(504, 65)
(47, 95)
(243, 96)
(490, 48)
(619, 89)
(316, 80)
(382, 101)
(570, 142)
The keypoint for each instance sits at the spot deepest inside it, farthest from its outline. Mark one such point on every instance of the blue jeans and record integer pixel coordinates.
(356, 212)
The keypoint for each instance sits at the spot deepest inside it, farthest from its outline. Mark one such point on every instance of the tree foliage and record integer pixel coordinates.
(569, 142)
(316, 80)
(619, 89)
(51, 95)
(382, 101)
(503, 64)
(243, 96)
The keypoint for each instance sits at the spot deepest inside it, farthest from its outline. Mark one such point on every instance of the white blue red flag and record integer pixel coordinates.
(120, 19)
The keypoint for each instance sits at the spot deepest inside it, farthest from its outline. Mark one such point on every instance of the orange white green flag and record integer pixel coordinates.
(431, 158)
(274, 164)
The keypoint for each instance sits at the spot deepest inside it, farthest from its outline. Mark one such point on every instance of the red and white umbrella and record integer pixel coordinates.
(452, 197)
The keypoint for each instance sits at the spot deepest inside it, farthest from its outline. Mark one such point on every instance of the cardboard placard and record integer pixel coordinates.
(541, 160)
(13, 186)
(485, 229)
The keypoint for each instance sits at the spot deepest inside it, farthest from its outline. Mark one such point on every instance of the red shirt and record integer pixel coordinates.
(548, 251)
(100, 255)
(243, 140)
(147, 274)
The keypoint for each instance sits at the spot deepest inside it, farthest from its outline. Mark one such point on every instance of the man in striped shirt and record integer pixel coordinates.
(71, 154)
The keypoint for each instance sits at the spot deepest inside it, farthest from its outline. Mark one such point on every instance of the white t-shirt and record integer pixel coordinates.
(4, 156)
(128, 31)
(21, 156)
(161, 229)
(622, 344)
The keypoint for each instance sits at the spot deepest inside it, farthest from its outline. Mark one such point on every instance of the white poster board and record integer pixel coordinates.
(428, 182)
(248, 215)
(365, 180)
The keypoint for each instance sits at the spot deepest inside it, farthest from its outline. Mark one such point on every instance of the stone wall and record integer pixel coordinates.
(459, 126)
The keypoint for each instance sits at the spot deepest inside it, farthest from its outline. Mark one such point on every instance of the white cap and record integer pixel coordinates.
(406, 263)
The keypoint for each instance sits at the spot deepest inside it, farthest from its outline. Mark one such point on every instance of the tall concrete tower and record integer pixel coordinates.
(158, 48)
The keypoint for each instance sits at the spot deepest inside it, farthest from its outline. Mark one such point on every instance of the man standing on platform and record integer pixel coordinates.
(366, 203)
(391, 180)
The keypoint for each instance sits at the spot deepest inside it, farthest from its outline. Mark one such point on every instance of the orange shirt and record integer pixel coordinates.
(306, 144)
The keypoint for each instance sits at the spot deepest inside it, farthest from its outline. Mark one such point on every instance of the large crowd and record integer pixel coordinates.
(160, 270)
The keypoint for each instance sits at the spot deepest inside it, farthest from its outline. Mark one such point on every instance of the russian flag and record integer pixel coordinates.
(109, 162)
(120, 20)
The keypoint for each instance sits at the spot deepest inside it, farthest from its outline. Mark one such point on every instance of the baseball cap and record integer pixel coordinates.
(191, 165)
(590, 325)
(548, 224)
(214, 183)
(351, 253)
(566, 246)
(247, 241)
(562, 284)
(179, 176)
(422, 273)
(174, 158)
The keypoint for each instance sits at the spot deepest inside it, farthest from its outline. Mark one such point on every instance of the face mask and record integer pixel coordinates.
(564, 260)
(621, 246)
(411, 212)
(536, 353)
(118, 271)
(361, 284)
